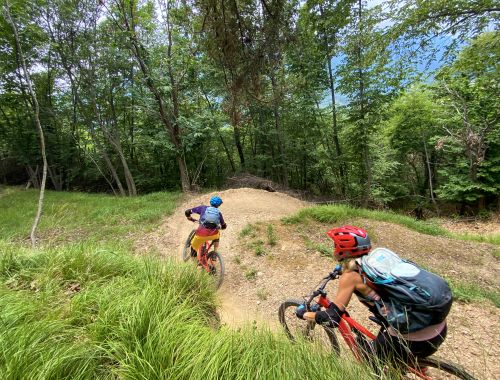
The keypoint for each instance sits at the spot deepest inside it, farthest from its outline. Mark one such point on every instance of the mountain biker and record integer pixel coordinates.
(351, 243)
(210, 221)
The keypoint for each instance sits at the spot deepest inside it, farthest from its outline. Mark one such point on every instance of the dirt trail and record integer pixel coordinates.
(240, 207)
(255, 285)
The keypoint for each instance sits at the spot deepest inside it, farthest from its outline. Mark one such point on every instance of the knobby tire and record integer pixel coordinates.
(307, 330)
(186, 252)
(444, 366)
(219, 268)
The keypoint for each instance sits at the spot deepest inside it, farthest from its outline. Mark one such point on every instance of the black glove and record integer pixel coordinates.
(223, 226)
(331, 317)
(300, 311)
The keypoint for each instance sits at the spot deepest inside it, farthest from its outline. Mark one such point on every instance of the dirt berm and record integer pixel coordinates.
(259, 279)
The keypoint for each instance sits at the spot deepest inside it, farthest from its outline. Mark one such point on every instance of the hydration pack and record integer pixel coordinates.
(210, 218)
(411, 297)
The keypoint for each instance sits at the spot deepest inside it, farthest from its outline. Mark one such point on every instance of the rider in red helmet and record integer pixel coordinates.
(350, 244)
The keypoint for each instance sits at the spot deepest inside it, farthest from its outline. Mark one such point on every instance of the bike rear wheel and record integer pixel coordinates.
(186, 252)
(322, 336)
(439, 369)
(216, 266)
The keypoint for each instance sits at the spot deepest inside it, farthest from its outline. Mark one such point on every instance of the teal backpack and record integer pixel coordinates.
(210, 218)
(411, 297)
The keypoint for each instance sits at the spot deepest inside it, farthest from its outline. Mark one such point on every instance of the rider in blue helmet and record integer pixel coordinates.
(215, 201)
(210, 221)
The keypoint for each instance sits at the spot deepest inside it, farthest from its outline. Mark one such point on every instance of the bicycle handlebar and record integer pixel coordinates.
(333, 275)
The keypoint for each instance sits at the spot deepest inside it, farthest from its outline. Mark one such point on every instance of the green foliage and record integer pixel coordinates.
(272, 239)
(248, 230)
(321, 248)
(262, 294)
(77, 216)
(423, 21)
(320, 96)
(340, 214)
(259, 248)
(91, 310)
(251, 274)
(468, 292)
(471, 146)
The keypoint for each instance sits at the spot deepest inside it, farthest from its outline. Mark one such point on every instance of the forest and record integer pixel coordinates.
(385, 104)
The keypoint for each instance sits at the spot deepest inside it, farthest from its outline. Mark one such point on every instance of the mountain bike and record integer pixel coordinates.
(357, 338)
(210, 260)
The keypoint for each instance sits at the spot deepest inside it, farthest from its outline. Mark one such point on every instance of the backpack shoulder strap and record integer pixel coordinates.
(366, 280)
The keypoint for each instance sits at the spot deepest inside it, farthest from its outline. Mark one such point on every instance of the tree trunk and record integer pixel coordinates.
(78, 103)
(114, 139)
(431, 189)
(104, 155)
(36, 111)
(366, 178)
(331, 83)
(336, 142)
(33, 177)
(279, 132)
(55, 179)
(170, 125)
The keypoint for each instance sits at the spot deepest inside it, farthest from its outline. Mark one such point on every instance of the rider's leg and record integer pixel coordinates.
(402, 352)
(423, 349)
(391, 350)
(216, 244)
(196, 243)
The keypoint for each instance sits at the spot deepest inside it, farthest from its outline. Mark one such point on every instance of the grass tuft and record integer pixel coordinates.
(247, 230)
(272, 239)
(342, 213)
(467, 292)
(251, 274)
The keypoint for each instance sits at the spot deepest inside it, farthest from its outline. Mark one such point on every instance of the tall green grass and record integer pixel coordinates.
(132, 318)
(343, 213)
(82, 307)
(77, 216)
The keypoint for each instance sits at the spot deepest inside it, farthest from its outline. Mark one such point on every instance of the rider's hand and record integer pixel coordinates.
(191, 219)
(223, 226)
(300, 311)
(315, 307)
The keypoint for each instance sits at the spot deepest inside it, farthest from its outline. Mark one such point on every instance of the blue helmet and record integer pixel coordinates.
(215, 201)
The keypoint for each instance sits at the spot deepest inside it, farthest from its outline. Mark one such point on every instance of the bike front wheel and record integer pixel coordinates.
(216, 267)
(439, 369)
(322, 336)
(186, 251)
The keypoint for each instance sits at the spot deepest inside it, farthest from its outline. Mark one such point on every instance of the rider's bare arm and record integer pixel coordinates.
(348, 282)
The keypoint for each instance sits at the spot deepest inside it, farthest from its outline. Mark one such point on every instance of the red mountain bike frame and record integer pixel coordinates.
(346, 324)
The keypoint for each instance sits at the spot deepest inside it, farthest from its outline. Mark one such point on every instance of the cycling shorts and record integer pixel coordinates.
(198, 240)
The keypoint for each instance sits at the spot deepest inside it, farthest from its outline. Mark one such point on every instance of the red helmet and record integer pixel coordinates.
(349, 241)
